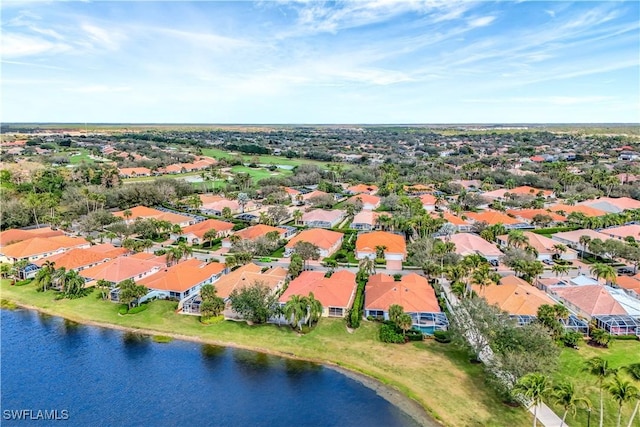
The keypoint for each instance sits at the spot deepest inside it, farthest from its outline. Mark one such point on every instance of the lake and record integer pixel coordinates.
(94, 376)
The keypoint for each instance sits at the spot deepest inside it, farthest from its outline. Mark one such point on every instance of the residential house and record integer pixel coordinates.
(182, 280)
(543, 245)
(248, 275)
(76, 259)
(629, 283)
(515, 296)
(612, 204)
(214, 205)
(321, 218)
(363, 189)
(326, 240)
(413, 293)
(194, 234)
(133, 172)
(587, 300)
(40, 247)
(335, 293)
(365, 220)
(492, 217)
(15, 235)
(529, 215)
(428, 202)
(623, 232)
(565, 210)
(144, 212)
(461, 225)
(392, 245)
(472, 244)
(505, 193)
(369, 202)
(572, 238)
(122, 268)
(307, 197)
(255, 231)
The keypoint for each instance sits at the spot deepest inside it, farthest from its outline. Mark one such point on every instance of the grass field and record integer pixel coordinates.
(437, 376)
(264, 159)
(83, 157)
(258, 173)
(620, 353)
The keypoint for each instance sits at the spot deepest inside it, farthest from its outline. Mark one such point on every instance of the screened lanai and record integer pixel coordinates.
(619, 324)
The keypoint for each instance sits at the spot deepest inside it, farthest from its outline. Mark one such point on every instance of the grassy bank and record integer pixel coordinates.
(437, 376)
(264, 158)
(620, 353)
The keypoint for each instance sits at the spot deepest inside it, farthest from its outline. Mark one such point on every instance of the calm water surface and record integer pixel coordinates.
(104, 377)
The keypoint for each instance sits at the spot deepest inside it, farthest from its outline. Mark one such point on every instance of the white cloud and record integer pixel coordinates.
(481, 22)
(98, 89)
(18, 45)
(101, 37)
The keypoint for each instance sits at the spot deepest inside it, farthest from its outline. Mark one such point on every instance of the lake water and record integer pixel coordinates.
(104, 377)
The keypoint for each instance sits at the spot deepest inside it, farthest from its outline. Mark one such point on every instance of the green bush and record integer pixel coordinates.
(442, 336)
(23, 282)
(388, 334)
(211, 320)
(138, 309)
(163, 339)
(123, 309)
(414, 335)
(572, 339)
(397, 277)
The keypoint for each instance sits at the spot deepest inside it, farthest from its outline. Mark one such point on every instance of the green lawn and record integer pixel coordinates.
(571, 362)
(264, 159)
(259, 173)
(83, 157)
(437, 376)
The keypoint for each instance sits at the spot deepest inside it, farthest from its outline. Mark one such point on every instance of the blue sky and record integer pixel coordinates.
(321, 62)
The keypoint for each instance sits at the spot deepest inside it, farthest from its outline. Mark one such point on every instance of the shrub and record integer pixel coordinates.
(414, 335)
(160, 252)
(388, 334)
(23, 282)
(442, 336)
(397, 277)
(571, 339)
(163, 339)
(211, 320)
(123, 310)
(626, 337)
(138, 309)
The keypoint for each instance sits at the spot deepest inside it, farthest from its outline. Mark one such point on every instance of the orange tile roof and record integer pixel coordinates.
(413, 293)
(40, 245)
(146, 212)
(365, 198)
(363, 188)
(622, 203)
(259, 230)
(182, 276)
(322, 238)
(122, 268)
(629, 282)
(134, 171)
(428, 199)
(449, 217)
(492, 217)
(529, 214)
(365, 217)
(587, 210)
(314, 193)
(200, 228)
(291, 191)
(543, 244)
(471, 244)
(592, 299)
(73, 259)
(394, 243)
(336, 291)
(15, 235)
(515, 296)
(248, 275)
(108, 250)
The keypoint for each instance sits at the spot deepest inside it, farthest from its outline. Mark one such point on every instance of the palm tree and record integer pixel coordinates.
(634, 371)
(534, 387)
(404, 322)
(584, 242)
(559, 249)
(482, 277)
(560, 270)
(380, 251)
(315, 308)
(73, 286)
(210, 236)
(599, 368)
(622, 392)
(603, 271)
(295, 310)
(44, 276)
(297, 216)
(368, 265)
(127, 214)
(104, 286)
(517, 239)
(565, 395)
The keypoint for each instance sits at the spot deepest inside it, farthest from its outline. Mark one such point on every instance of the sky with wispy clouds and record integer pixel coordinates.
(380, 61)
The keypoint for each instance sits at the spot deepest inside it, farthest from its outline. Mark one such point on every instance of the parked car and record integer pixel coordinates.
(547, 261)
(625, 270)
(494, 262)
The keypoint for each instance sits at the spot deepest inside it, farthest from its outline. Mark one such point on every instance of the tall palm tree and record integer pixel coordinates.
(534, 387)
(584, 241)
(73, 286)
(295, 310)
(404, 322)
(314, 307)
(44, 276)
(622, 392)
(482, 277)
(517, 239)
(560, 270)
(599, 368)
(368, 265)
(564, 394)
(634, 371)
(297, 216)
(603, 271)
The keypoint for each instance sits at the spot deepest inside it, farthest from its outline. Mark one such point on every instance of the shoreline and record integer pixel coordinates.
(395, 397)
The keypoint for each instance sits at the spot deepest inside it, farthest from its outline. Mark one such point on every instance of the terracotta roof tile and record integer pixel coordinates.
(336, 291)
(322, 238)
(182, 276)
(248, 275)
(515, 296)
(413, 293)
(394, 243)
(592, 299)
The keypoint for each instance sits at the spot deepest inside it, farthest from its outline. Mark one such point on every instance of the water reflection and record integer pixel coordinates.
(212, 355)
(252, 361)
(135, 344)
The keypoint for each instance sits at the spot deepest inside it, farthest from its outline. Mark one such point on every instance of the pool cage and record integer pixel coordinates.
(430, 321)
(28, 272)
(618, 324)
(572, 324)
